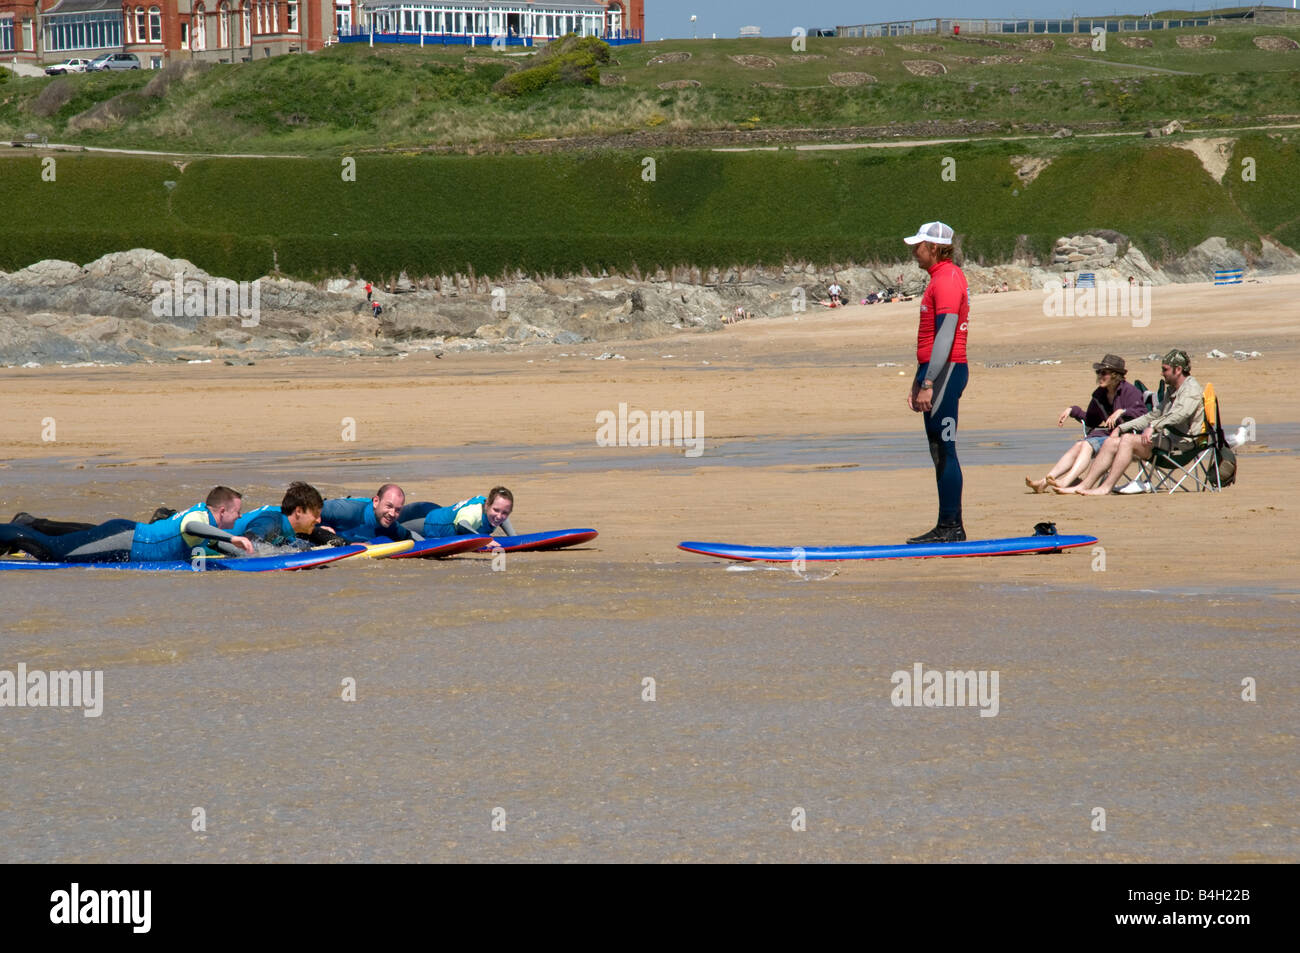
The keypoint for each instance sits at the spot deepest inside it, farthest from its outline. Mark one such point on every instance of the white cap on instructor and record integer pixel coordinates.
(936, 232)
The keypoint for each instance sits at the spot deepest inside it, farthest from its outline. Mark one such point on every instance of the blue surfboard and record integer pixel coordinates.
(555, 539)
(285, 561)
(1012, 546)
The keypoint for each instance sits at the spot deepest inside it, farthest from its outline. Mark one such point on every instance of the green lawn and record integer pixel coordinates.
(392, 98)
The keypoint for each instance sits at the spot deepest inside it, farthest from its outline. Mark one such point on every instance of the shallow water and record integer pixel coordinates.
(522, 689)
(876, 451)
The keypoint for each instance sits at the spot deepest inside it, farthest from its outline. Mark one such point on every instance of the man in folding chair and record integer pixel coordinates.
(1167, 430)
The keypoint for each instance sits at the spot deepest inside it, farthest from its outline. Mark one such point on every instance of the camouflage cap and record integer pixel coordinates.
(1178, 358)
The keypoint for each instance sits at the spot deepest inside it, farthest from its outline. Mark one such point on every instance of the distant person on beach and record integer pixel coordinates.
(478, 515)
(1168, 427)
(359, 520)
(941, 372)
(370, 289)
(1114, 401)
(203, 530)
(834, 291)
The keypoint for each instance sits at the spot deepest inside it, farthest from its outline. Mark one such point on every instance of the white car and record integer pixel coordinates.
(67, 66)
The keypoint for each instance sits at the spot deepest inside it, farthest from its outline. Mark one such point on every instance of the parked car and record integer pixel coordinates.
(67, 66)
(113, 61)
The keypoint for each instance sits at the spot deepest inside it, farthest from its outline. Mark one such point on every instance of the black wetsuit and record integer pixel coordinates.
(107, 542)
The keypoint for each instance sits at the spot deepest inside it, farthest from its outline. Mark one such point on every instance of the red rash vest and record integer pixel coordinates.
(945, 294)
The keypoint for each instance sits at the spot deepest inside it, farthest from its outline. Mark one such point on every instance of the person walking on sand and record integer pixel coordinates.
(370, 289)
(941, 372)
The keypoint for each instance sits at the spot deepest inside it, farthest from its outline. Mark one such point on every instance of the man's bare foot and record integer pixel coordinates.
(1096, 491)
(1038, 486)
(1065, 489)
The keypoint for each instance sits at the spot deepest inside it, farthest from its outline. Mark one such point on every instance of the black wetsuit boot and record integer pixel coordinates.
(49, 527)
(945, 531)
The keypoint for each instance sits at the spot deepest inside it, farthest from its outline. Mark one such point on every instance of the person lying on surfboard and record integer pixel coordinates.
(359, 520)
(294, 523)
(63, 527)
(479, 516)
(201, 530)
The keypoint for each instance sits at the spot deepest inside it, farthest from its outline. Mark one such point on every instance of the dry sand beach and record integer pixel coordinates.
(1120, 671)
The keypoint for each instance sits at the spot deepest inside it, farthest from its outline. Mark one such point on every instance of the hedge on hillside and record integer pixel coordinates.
(569, 61)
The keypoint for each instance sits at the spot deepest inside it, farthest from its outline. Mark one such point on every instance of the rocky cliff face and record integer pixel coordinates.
(140, 305)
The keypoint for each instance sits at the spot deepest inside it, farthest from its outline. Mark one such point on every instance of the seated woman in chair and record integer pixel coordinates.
(1181, 414)
(1114, 401)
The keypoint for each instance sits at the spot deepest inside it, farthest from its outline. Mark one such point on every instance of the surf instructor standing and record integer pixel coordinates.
(941, 371)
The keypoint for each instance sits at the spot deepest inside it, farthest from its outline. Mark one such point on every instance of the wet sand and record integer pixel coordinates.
(521, 689)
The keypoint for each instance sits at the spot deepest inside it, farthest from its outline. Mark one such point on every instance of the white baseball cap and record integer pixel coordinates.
(936, 232)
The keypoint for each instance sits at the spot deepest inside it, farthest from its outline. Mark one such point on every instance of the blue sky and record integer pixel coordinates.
(671, 18)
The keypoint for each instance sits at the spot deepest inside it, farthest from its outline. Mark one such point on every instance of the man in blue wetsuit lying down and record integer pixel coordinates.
(478, 516)
(359, 520)
(203, 529)
(294, 523)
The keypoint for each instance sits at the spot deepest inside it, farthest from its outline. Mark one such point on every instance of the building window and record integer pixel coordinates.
(343, 19)
(155, 25)
(223, 25)
(141, 28)
(75, 31)
(185, 35)
(7, 34)
(293, 16)
(200, 28)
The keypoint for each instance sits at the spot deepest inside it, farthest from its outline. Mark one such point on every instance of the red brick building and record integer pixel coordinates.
(47, 31)
(39, 32)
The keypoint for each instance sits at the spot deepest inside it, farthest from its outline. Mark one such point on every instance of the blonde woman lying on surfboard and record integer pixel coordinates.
(478, 515)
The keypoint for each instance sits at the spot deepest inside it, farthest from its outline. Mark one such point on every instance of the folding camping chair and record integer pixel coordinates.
(1203, 461)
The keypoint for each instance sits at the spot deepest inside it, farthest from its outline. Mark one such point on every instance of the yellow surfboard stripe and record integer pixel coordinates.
(381, 550)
